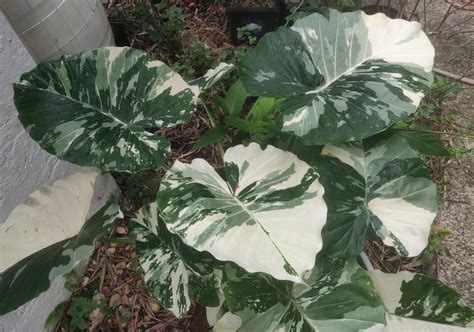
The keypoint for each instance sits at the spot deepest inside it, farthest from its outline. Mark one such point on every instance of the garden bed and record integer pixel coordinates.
(196, 38)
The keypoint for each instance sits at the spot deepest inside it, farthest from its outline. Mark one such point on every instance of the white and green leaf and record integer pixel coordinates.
(420, 297)
(269, 200)
(49, 215)
(347, 75)
(337, 296)
(174, 272)
(212, 76)
(94, 108)
(33, 275)
(378, 183)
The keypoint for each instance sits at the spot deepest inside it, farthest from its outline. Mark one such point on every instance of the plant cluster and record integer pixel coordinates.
(271, 241)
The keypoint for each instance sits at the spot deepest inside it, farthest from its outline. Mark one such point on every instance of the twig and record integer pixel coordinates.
(465, 80)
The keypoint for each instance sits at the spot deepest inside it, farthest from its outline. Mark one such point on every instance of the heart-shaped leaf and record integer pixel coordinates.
(384, 185)
(347, 75)
(337, 296)
(270, 200)
(93, 108)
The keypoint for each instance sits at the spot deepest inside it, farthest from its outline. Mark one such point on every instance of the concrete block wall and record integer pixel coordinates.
(50, 28)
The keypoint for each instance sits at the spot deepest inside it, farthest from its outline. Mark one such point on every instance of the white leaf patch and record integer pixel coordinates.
(409, 223)
(390, 295)
(228, 323)
(49, 215)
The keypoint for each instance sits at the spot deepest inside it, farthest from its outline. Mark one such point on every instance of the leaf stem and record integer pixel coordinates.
(365, 259)
(213, 125)
(433, 132)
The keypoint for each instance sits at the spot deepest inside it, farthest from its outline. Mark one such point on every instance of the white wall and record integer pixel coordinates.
(24, 166)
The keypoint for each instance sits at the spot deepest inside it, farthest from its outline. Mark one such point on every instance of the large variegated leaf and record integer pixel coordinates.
(337, 296)
(270, 200)
(419, 297)
(92, 108)
(348, 75)
(174, 272)
(383, 184)
(50, 214)
(33, 275)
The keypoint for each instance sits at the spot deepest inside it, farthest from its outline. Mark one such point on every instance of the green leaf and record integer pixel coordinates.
(269, 200)
(234, 101)
(56, 314)
(420, 297)
(385, 186)
(347, 76)
(211, 136)
(213, 76)
(33, 275)
(337, 296)
(174, 272)
(93, 108)
(424, 142)
(246, 125)
(264, 107)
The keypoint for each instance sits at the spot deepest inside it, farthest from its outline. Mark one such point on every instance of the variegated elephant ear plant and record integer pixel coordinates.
(271, 242)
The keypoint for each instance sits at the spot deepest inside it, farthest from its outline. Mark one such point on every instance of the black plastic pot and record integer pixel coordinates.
(256, 20)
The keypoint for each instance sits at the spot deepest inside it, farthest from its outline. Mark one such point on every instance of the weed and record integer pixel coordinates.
(432, 115)
(458, 148)
(195, 60)
(75, 314)
(166, 20)
(436, 244)
(245, 35)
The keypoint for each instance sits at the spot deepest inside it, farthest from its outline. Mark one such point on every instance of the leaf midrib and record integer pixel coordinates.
(250, 213)
(83, 104)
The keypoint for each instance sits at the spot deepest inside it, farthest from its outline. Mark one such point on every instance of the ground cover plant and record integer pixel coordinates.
(271, 239)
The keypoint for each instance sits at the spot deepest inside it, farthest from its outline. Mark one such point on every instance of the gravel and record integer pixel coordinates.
(454, 51)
